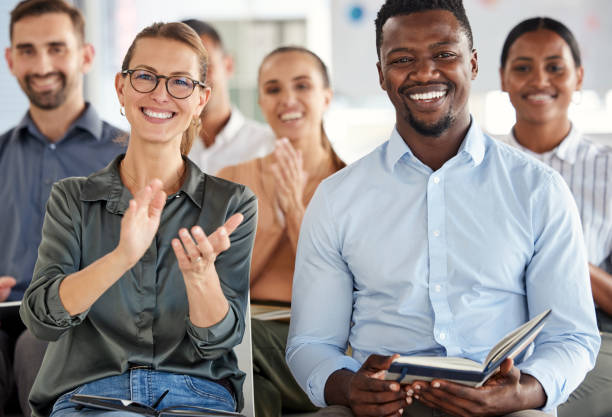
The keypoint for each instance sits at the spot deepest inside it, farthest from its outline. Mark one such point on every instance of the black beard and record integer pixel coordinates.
(48, 100)
(434, 130)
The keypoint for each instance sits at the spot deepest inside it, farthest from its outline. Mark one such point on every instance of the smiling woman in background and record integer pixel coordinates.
(294, 93)
(541, 70)
(133, 302)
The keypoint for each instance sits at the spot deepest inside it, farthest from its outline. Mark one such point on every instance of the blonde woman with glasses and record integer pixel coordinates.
(142, 277)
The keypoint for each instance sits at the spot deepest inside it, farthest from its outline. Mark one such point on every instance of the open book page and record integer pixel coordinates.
(409, 368)
(448, 362)
(509, 341)
(261, 311)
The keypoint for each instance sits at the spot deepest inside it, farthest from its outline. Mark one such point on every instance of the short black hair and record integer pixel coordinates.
(393, 8)
(537, 23)
(204, 29)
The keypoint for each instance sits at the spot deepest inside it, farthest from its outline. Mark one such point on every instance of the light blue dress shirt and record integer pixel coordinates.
(396, 258)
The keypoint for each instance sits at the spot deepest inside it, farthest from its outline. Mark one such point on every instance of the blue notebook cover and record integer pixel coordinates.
(425, 368)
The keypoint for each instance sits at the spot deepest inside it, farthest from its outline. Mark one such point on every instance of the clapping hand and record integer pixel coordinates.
(140, 221)
(290, 177)
(197, 253)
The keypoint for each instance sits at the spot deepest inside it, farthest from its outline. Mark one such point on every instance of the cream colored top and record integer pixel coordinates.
(273, 257)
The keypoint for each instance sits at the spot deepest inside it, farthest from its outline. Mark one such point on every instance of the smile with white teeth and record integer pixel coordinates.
(540, 97)
(287, 117)
(432, 95)
(157, 115)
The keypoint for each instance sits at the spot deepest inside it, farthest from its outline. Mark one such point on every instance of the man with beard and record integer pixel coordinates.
(226, 136)
(60, 136)
(438, 243)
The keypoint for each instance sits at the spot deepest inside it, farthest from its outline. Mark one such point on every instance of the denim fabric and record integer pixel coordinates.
(146, 386)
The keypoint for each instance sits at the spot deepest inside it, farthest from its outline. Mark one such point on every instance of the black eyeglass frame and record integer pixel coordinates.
(159, 77)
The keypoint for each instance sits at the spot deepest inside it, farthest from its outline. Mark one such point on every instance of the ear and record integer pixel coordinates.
(502, 78)
(381, 77)
(327, 97)
(579, 78)
(89, 53)
(9, 58)
(474, 63)
(228, 63)
(120, 88)
(203, 98)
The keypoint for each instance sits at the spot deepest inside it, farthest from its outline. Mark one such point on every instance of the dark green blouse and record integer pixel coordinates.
(143, 319)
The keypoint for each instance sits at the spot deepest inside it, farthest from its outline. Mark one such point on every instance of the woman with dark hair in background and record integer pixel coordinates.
(541, 70)
(134, 303)
(294, 93)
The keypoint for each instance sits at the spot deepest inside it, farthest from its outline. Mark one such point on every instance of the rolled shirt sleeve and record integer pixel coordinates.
(58, 256)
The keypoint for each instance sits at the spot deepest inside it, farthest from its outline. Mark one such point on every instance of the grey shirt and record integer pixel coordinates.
(143, 318)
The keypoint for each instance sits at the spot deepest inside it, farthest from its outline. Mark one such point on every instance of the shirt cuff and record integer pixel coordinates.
(216, 333)
(57, 311)
(317, 380)
(548, 382)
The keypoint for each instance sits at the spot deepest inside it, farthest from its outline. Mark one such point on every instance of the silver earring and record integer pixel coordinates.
(122, 111)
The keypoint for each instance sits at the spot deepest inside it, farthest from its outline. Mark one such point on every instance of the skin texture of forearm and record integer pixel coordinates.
(80, 290)
(601, 285)
(207, 303)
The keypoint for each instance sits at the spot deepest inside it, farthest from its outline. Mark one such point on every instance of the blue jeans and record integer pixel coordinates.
(146, 386)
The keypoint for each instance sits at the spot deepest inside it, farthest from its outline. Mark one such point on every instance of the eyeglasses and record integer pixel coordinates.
(178, 86)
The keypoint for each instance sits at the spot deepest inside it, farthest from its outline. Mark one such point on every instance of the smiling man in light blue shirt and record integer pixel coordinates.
(439, 242)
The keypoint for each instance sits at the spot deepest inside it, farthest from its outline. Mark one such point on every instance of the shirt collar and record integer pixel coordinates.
(89, 120)
(106, 185)
(473, 145)
(567, 150)
(232, 126)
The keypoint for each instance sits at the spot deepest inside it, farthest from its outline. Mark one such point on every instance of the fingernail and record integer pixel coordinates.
(409, 400)
(436, 385)
(417, 387)
(409, 392)
(197, 230)
(394, 387)
(401, 411)
(416, 397)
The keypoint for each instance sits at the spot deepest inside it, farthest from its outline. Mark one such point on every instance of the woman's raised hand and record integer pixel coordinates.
(290, 177)
(140, 221)
(196, 253)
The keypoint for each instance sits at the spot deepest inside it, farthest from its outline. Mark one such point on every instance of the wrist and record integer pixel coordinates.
(120, 259)
(532, 394)
(337, 387)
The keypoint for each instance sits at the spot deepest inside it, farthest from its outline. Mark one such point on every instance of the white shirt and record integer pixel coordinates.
(240, 140)
(586, 166)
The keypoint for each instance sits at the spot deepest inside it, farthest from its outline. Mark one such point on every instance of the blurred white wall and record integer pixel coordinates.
(342, 33)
